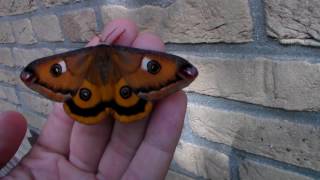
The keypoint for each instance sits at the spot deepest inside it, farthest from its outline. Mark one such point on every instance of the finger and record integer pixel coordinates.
(84, 137)
(161, 139)
(55, 135)
(120, 31)
(126, 138)
(88, 143)
(13, 127)
(123, 144)
(149, 41)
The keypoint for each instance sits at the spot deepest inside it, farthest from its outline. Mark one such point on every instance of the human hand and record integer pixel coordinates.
(66, 149)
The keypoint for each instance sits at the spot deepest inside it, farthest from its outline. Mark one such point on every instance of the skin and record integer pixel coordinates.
(111, 150)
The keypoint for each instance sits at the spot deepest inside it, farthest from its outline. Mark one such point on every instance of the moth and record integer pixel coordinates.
(107, 80)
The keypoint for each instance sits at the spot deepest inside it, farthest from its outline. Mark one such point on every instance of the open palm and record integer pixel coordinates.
(111, 150)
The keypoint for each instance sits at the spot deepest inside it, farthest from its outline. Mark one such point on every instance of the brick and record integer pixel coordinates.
(251, 170)
(6, 34)
(8, 94)
(293, 21)
(6, 57)
(175, 176)
(34, 120)
(292, 84)
(23, 31)
(275, 138)
(61, 50)
(6, 106)
(148, 18)
(80, 25)
(296, 85)
(191, 21)
(35, 103)
(50, 3)
(25, 56)
(8, 76)
(47, 28)
(202, 161)
(13, 7)
(240, 80)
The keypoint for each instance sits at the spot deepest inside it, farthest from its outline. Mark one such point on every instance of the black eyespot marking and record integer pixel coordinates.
(125, 92)
(85, 94)
(56, 70)
(153, 67)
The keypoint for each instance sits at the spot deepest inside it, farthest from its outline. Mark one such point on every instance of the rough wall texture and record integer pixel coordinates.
(253, 111)
(191, 21)
(294, 21)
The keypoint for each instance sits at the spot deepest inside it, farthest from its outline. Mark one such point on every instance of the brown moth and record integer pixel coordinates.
(101, 81)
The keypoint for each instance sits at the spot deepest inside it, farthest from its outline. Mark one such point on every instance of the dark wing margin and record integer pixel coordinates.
(139, 107)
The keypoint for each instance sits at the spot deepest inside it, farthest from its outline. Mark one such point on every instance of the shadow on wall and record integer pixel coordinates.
(258, 140)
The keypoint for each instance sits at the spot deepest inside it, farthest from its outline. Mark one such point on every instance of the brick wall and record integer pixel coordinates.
(252, 112)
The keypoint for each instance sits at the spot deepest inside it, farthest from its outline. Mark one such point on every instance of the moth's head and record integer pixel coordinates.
(160, 74)
(52, 76)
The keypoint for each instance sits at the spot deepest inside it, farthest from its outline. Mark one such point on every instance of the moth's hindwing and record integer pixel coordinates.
(128, 106)
(87, 105)
(94, 103)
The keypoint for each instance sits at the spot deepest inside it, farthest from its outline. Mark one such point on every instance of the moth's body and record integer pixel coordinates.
(97, 82)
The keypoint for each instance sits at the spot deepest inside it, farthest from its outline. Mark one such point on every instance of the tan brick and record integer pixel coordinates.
(8, 76)
(191, 21)
(148, 18)
(23, 31)
(6, 106)
(25, 56)
(12, 7)
(294, 21)
(9, 94)
(36, 103)
(6, 57)
(240, 80)
(296, 85)
(281, 140)
(292, 85)
(80, 25)
(251, 170)
(202, 161)
(49, 3)
(175, 176)
(47, 28)
(6, 34)
(61, 50)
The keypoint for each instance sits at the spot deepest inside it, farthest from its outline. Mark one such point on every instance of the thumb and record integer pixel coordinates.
(13, 127)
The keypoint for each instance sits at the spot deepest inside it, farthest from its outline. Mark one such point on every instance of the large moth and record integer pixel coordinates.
(101, 81)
